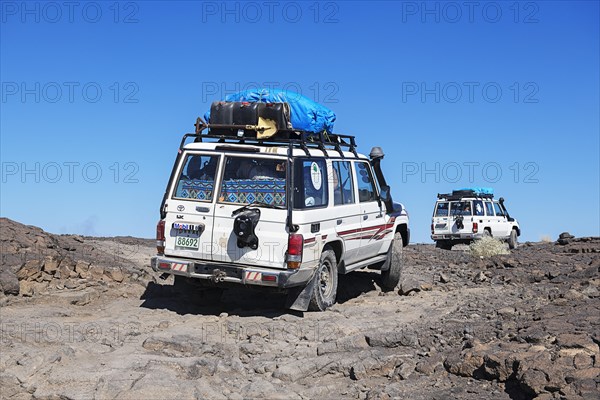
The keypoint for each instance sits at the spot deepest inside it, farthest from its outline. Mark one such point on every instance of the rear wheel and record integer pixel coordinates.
(325, 282)
(392, 268)
(512, 239)
(487, 233)
(443, 244)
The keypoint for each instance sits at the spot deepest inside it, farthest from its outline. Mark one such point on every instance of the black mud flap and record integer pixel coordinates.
(299, 298)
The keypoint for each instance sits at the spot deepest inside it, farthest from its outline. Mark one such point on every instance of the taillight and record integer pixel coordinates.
(160, 237)
(475, 227)
(295, 248)
(432, 231)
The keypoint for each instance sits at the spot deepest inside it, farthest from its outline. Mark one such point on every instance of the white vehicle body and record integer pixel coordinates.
(316, 198)
(460, 219)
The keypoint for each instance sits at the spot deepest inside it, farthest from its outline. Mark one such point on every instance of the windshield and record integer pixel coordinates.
(441, 209)
(255, 181)
(460, 208)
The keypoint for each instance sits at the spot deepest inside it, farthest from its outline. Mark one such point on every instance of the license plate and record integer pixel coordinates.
(187, 242)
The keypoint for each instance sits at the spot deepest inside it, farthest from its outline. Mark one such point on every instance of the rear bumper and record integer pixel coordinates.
(456, 236)
(231, 273)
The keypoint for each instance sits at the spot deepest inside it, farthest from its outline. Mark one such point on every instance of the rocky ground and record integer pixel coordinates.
(85, 318)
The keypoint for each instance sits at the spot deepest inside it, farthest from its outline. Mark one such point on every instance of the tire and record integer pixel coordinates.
(444, 245)
(487, 233)
(512, 239)
(325, 282)
(391, 276)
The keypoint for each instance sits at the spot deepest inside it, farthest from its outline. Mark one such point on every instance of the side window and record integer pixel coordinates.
(197, 178)
(366, 187)
(478, 207)
(343, 186)
(310, 183)
(489, 209)
(499, 212)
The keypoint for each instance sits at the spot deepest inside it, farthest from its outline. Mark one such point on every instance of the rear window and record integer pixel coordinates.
(254, 180)
(441, 209)
(197, 178)
(460, 208)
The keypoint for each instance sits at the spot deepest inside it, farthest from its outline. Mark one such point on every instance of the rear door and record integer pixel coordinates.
(461, 210)
(190, 208)
(441, 220)
(260, 182)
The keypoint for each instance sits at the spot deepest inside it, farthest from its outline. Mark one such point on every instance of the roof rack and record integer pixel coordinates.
(243, 134)
(460, 194)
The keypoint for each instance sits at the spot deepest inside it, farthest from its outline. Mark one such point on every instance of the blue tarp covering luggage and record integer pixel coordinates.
(305, 114)
(478, 190)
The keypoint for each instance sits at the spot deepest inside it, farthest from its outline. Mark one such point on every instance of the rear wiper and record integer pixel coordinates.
(254, 204)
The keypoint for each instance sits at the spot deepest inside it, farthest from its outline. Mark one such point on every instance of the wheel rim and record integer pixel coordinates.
(326, 278)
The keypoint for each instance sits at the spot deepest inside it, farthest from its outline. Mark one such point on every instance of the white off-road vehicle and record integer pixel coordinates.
(465, 215)
(287, 213)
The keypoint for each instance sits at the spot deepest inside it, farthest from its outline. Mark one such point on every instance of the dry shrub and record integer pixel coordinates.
(546, 239)
(487, 247)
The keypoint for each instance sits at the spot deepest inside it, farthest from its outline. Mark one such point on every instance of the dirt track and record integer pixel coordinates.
(510, 327)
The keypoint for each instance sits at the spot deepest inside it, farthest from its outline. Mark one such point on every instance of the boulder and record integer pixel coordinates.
(30, 270)
(408, 286)
(9, 283)
(115, 274)
(51, 264)
(26, 288)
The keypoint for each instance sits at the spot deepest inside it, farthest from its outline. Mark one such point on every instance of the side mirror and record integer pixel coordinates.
(386, 197)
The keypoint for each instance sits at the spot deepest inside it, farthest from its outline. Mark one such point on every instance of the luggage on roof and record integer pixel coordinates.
(275, 116)
(282, 110)
(477, 191)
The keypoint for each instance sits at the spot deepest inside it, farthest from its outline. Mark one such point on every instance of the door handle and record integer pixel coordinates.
(365, 216)
(339, 221)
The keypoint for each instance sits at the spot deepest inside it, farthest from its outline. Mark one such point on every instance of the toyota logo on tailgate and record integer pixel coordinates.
(180, 208)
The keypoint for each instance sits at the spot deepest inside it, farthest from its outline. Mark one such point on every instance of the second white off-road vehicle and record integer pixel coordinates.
(468, 214)
(290, 212)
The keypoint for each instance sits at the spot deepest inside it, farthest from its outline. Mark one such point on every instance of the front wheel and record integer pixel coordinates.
(512, 239)
(392, 268)
(325, 282)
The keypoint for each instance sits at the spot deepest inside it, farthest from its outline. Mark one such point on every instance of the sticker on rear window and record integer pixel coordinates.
(315, 176)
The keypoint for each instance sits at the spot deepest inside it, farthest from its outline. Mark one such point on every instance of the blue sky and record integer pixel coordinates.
(96, 95)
